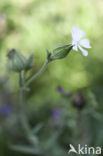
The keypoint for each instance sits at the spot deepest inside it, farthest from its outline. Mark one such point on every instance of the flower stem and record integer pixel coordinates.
(79, 128)
(22, 106)
(37, 74)
(23, 117)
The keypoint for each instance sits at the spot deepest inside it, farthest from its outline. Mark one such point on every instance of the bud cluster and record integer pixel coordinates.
(17, 62)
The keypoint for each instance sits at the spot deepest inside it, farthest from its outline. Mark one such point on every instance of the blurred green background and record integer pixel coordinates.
(33, 26)
(38, 25)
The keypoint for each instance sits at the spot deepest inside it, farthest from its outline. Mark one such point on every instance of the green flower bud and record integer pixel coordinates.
(61, 51)
(29, 62)
(16, 61)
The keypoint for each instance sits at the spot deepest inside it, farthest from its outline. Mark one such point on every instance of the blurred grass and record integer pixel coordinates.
(37, 25)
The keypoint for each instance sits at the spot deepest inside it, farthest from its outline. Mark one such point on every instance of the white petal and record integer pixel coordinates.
(75, 48)
(74, 43)
(81, 34)
(77, 34)
(85, 52)
(74, 32)
(85, 43)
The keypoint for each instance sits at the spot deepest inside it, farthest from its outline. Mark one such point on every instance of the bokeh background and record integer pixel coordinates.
(33, 26)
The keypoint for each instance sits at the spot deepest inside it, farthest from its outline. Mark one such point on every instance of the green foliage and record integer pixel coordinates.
(37, 25)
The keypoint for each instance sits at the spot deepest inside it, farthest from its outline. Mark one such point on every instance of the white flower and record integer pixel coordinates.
(78, 43)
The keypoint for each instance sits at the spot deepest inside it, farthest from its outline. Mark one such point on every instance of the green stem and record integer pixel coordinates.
(78, 131)
(23, 117)
(37, 74)
(23, 85)
(22, 105)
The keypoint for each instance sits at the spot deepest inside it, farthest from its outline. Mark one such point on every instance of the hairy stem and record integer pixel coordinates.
(23, 117)
(37, 74)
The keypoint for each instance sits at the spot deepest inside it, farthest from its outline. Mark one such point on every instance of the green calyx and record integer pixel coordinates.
(61, 51)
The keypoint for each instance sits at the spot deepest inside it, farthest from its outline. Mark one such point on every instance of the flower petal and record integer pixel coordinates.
(74, 43)
(85, 43)
(77, 34)
(75, 48)
(84, 52)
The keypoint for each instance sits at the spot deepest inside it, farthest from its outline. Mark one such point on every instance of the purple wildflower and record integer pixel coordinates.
(60, 89)
(63, 92)
(55, 112)
(6, 110)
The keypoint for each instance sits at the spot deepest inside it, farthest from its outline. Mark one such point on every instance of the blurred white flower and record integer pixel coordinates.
(77, 42)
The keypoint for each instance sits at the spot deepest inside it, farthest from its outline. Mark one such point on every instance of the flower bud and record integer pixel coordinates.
(61, 51)
(16, 61)
(79, 101)
(29, 62)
